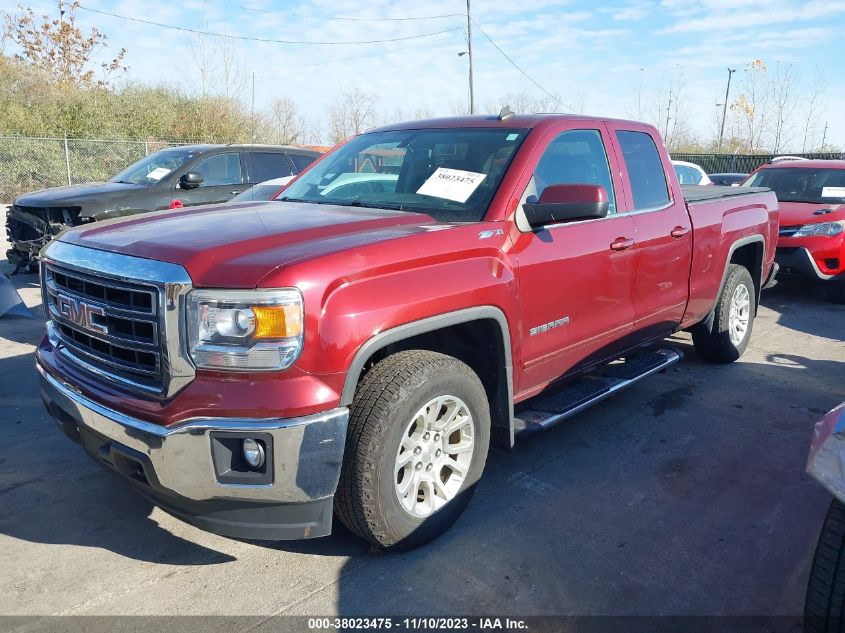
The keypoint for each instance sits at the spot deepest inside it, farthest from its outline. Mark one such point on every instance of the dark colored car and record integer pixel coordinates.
(728, 180)
(171, 178)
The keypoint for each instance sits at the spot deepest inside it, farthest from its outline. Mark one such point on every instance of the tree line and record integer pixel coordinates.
(51, 86)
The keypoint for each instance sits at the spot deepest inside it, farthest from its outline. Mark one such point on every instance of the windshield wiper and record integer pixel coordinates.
(370, 205)
(287, 199)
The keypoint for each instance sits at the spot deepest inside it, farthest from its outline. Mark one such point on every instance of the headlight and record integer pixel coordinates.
(245, 329)
(828, 229)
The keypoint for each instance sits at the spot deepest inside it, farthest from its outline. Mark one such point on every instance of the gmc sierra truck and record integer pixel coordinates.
(257, 368)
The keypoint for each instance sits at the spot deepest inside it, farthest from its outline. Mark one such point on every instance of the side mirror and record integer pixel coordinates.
(190, 180)
(565, 203)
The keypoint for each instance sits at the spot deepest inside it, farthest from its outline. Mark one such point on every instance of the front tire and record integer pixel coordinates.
(416, 446)
(824, 606)
(732, 322)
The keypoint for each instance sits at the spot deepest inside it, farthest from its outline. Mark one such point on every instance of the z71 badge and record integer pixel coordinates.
(548, 326)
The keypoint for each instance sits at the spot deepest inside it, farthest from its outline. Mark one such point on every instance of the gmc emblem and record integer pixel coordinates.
(80, 313)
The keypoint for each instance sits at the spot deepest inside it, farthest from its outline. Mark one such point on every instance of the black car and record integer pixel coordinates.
(172, 178)
(727, 180)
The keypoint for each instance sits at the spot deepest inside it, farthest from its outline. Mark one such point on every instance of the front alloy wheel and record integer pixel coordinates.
(434, 456)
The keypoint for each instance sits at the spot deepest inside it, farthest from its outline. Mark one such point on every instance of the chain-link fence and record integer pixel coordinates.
(740, 163)
(29, 163)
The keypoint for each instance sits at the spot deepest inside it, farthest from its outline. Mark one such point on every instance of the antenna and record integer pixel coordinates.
(505, 113)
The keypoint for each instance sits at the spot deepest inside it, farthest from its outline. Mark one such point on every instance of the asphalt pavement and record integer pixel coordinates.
(685, 495)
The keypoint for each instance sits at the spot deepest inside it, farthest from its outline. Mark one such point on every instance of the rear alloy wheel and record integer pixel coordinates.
(416, 446)
(733, 319)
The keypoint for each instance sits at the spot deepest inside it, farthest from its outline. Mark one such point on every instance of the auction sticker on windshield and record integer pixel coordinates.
(451, 184)
(833, 192)
(158, 173)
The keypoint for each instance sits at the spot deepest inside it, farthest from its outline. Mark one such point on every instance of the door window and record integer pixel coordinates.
(220, 169)
(268, 166)
(645, 170)
(301, 161)
(573, 157)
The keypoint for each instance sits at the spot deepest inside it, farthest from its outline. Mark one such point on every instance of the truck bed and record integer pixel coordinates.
(699, 193)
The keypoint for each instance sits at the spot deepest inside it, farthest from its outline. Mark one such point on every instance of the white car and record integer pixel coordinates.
(356, 184)
(266, 190)
(690, 173)
(784, 159)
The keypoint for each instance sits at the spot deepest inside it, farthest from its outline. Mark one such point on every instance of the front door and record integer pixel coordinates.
(576, 278)
(223, 178)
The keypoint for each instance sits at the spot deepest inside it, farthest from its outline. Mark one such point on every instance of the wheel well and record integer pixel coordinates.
(751, 257)
(480, 345)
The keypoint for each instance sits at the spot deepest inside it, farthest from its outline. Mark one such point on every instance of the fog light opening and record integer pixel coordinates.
(253, 452)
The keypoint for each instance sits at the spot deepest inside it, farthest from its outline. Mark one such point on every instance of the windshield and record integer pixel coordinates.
(150, 169)
(802, 184)
(450, 174)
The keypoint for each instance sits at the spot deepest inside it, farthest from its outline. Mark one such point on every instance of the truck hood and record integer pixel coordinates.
(75, 195)
(795, 213)
(251, 239)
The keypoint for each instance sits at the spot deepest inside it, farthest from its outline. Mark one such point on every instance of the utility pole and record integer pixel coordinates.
(469, 54)
(668, 110)
(824, 135)
(731, 71)
(252, 111)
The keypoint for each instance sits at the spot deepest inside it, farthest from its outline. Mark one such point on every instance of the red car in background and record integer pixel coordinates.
(811, 196)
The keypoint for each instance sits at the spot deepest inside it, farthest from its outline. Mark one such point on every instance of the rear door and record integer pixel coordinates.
(223, 177)
(575, 278)
(663, 233)
(268, 166)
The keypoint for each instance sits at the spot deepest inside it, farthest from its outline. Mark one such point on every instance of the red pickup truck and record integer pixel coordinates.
(423, 291)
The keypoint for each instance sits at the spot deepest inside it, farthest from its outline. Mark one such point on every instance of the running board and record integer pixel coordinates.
(545, 411)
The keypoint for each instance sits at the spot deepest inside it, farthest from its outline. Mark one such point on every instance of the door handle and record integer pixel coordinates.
(679, 231)
(621, 243)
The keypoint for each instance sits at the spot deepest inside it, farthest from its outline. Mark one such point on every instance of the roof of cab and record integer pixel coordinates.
(493, 121)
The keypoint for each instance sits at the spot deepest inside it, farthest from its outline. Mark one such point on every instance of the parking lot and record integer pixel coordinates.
(685, 495)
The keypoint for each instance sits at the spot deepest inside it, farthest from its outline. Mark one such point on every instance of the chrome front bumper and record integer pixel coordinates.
(176, 465)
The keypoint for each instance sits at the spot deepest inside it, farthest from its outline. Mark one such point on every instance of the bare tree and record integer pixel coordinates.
(752, 104)
(813, 110)
(352, 113)
(286, 124)
(59, 47)
(782, 87)
(524, 103)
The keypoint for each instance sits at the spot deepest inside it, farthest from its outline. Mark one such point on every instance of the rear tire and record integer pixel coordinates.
(732, 322)
(398, 488)
(824, 606)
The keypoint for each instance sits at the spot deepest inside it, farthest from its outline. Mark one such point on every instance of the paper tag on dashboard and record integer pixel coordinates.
(833, 192)
(158, 173)
(451, 184)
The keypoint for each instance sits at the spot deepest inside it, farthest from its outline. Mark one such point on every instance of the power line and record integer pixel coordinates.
(349, 18)
(525, 74)
(263, 39)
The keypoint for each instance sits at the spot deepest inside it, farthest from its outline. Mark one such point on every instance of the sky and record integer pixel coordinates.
(597, 58)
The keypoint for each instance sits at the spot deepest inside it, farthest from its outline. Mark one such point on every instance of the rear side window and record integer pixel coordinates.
(267, 166)
(301, 161)
(645, 170)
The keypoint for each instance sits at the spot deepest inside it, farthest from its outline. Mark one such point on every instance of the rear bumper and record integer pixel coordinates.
(195, 470)
(799, 261)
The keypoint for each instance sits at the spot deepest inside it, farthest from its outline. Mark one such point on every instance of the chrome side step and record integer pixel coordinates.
(545, 411)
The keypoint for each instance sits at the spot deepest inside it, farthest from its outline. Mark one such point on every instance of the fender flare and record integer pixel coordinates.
(707, 322)
(430, 324)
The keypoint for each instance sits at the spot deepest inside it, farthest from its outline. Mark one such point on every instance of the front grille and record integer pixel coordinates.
(789, 231)
(106, 325)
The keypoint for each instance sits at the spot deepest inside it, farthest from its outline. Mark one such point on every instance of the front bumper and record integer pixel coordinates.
(189, 470)
(798, 260)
